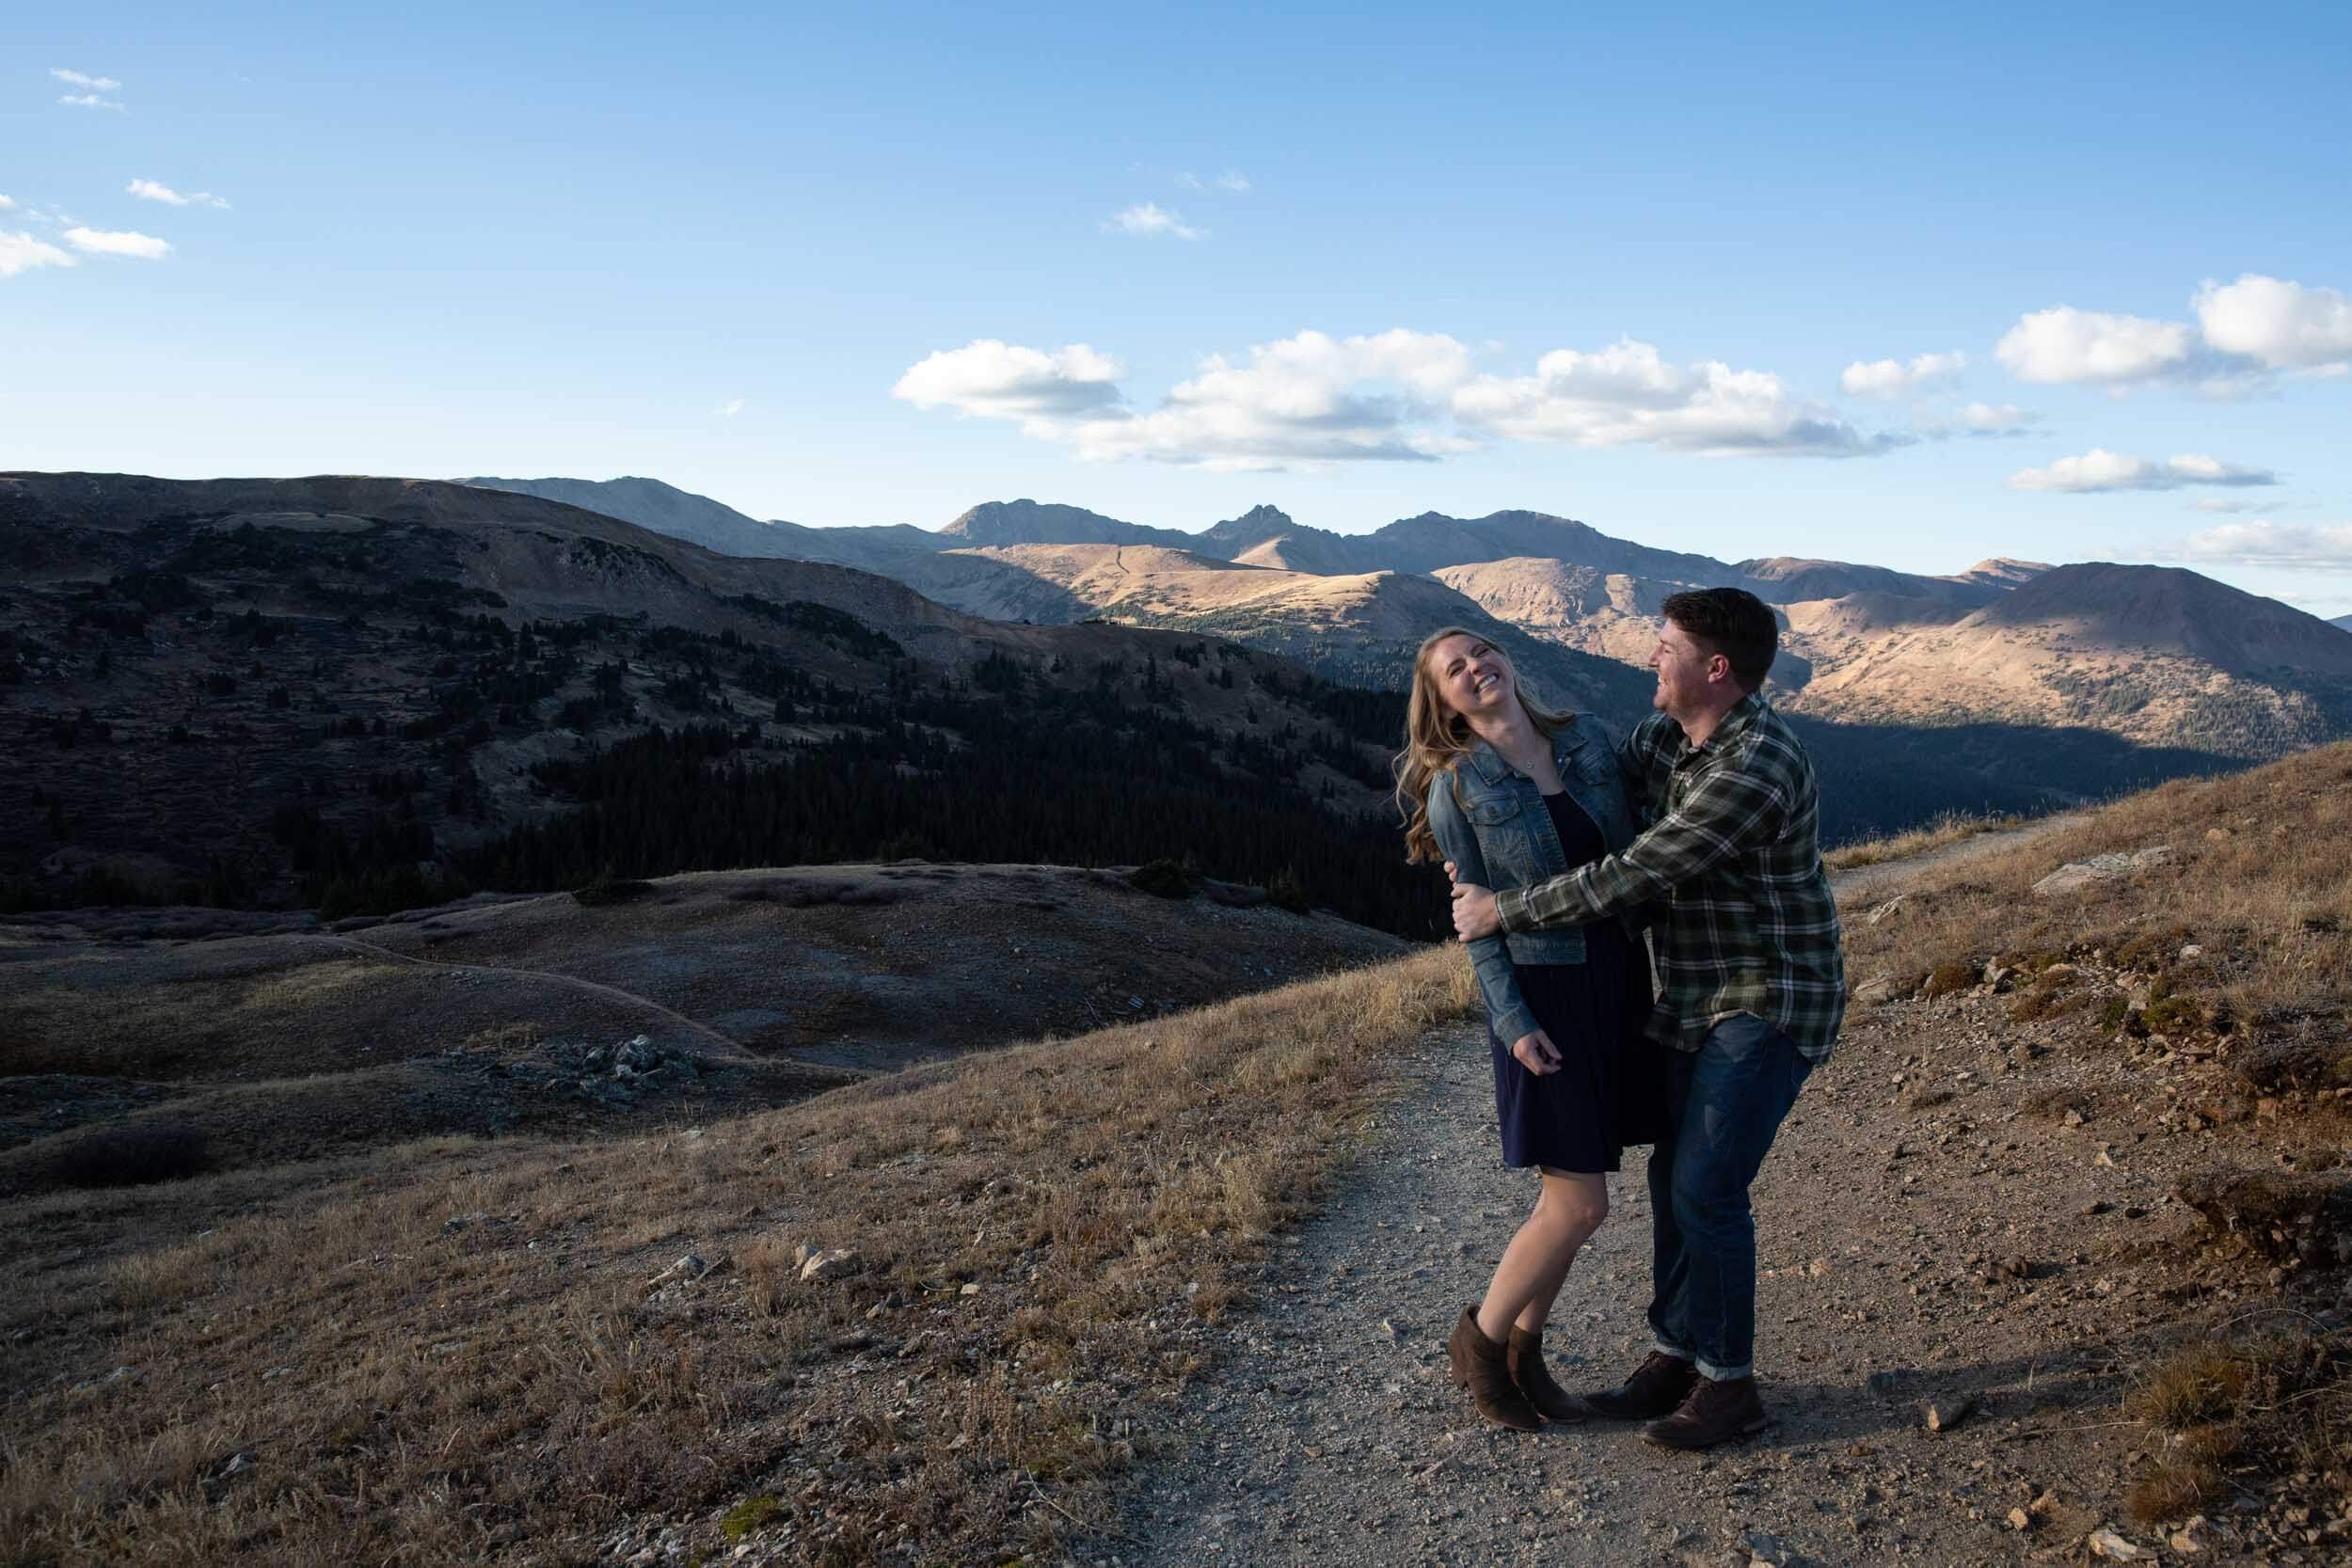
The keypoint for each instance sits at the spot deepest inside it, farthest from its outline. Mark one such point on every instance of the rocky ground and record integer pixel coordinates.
(1967, 1214)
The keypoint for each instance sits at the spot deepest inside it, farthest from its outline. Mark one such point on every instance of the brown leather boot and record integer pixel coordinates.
(1715, 1413)
(1551, 1401)
(1484, 1368)
(1658, 1387)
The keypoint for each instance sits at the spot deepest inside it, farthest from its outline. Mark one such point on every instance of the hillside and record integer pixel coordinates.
(2343, 620)
(2084, 1196)
(699, 520)
(1357, 630)
(367, 691)
(2156, 655)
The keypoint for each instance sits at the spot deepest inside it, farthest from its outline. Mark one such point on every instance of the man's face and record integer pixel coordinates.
(1683, 668)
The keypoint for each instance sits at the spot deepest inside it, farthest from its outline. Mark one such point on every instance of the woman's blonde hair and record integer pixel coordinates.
(1437, 737)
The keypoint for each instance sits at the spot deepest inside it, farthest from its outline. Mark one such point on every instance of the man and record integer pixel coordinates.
(1753, 988)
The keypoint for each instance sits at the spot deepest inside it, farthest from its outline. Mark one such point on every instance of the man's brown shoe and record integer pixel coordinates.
(1658, 1387)
(1482, 1366)
(1715, 1413)
(1551, 1401)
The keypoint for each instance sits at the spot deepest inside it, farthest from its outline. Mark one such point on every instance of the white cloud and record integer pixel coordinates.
(730, 409)
(1890, 379)
(1628, 395)
(6, 205)
(2281, 325)
(1310, 397)
(992, 380)
(2065, 344)
(1395, 396)
(118, 242)
(149, 190)
(2230, 508)
(23, 252)
(76, 79)
(2325, 548)
(2099, 470)
(1234, 180)
(1986, 419)
(87, 101)
(1147, 220)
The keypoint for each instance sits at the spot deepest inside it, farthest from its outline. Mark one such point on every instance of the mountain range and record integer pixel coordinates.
(2154, 656)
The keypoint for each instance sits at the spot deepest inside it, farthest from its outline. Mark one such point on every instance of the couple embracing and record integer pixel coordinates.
(1701, 828)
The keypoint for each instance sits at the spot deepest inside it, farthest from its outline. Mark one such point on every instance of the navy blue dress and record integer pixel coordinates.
(1610, 1093)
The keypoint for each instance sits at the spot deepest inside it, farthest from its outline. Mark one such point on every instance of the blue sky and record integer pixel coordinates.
(2062, 283)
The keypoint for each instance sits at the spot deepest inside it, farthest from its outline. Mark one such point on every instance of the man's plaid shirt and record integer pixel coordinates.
(1732, 854)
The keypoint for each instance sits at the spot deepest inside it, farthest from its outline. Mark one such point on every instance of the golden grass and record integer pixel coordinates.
(1947, 828)
(1034, 1229)
(2260, 878)
(2279, 1402)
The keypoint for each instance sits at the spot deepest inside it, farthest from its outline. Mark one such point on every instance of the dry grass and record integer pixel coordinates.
(2260, 878)
(1948, 828)
(2279, 1403)
(451, 1351)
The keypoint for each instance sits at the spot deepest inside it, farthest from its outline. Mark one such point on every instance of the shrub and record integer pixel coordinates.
(608, 889)
(133, 1156)
(1163, 878)
(1948, 976)
(1286, 889)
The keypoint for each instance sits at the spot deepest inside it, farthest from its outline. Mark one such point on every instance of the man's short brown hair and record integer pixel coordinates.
(1731, 622)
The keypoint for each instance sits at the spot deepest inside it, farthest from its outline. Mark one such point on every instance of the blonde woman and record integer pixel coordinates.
(1508, 794)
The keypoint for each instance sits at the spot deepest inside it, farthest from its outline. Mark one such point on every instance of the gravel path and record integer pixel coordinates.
(1862, 881)
(1330, 1433)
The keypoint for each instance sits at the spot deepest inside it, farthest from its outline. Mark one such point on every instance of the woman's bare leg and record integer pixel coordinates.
(1567, 1210)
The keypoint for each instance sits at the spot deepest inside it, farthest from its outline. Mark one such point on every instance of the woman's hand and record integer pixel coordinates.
(1536, 1053)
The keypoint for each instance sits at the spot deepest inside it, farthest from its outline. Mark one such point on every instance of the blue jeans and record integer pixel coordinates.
(1724, 1102)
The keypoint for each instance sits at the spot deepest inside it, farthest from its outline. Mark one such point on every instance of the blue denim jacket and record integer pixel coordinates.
(1493, 824)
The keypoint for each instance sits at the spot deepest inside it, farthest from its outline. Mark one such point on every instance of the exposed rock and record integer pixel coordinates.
(819, 1266)
(2076, 875)
(2280, 1215)
(2106, 1544)
(1878, 988)
(1947, 1411)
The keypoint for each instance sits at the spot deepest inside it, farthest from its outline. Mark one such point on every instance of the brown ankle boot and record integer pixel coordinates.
(1534, 1379)
(1715, 1413)
(1484, 1368)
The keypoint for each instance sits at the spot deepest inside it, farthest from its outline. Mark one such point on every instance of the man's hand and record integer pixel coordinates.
(1536, 1053)
(1474, 913)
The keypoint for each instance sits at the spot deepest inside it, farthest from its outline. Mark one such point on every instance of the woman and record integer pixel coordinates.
(1508, 793)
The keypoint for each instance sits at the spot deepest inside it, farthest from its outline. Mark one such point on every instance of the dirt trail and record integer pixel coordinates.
(1865, 880)
(1330, 1435)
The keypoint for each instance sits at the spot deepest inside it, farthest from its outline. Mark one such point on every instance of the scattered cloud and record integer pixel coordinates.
(91, 84)
(2064, 344)
(992, 380)
(1396, 396)
(1628, 395)
(730, 409)
(23, 252)
(88, 100)
(2229, 508)
(2277, 323)
(1234, 180)
(6, 204)
(118, 242)
(1149, 220)
(1977, 420)
(2097, 470)
(1891, 379)
(149, 190)
(2322, 548)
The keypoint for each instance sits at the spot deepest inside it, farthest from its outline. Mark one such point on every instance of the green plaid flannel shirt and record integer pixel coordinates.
(1732, 856)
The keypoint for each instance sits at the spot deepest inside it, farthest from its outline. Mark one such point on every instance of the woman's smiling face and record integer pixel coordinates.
(1473, 675)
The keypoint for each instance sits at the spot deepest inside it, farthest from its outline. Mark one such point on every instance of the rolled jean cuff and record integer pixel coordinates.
(1713, 1373)
(1680, 1353)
